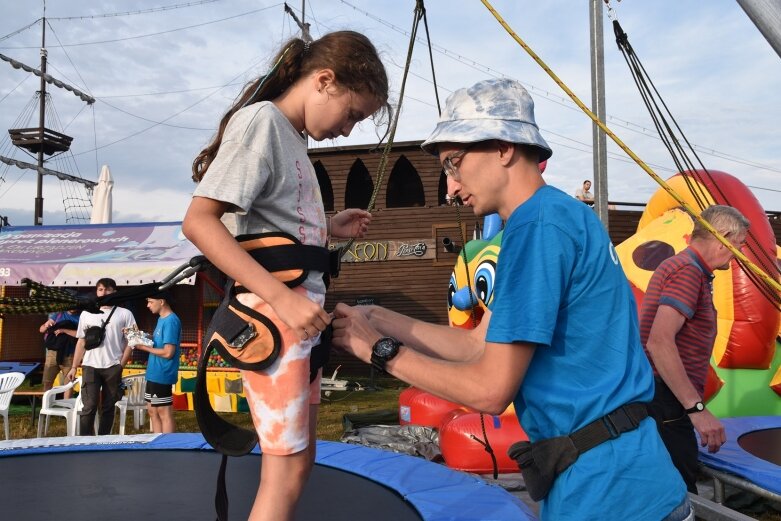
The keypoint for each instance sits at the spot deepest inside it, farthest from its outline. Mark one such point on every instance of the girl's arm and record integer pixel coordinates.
(203, 227)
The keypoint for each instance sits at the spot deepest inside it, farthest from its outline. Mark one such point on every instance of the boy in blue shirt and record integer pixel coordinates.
(162, 368)
(560, 339)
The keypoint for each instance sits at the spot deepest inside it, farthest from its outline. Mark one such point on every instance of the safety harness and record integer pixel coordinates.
(246, 339)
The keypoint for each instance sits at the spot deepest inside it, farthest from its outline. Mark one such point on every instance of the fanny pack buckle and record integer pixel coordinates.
(618, 422)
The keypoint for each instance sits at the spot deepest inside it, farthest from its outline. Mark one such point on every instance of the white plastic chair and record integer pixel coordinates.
(8, 382)
(65, 408)
(133, 401)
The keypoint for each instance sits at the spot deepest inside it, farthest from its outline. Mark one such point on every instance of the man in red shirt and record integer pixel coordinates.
(678, 328)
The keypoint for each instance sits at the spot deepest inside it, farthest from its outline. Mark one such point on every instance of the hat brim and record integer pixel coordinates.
(476, 130)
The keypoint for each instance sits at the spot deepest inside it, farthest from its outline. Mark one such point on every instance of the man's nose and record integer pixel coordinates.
(453, 186)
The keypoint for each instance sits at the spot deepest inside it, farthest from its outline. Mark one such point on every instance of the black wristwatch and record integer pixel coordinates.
(697, 407)
(383, 351)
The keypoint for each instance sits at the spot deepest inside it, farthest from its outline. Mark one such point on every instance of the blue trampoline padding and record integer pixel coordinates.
(435, 491)
(733, 459)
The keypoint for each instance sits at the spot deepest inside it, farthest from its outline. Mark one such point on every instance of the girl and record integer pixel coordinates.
(257, 167)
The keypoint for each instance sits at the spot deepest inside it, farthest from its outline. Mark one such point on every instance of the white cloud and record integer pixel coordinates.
(714, 69)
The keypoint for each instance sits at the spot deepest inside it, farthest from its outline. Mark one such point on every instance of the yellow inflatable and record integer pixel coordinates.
(748, 321)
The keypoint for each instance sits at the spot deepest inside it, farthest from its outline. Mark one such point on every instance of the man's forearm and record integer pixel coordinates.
(670, 368)
(78, 356)
(125, 356)
(444, 342)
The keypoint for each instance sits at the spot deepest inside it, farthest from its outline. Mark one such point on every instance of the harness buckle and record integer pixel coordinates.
(243, 338)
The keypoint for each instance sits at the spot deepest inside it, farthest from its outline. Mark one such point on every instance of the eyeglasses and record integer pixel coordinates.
(450, 169)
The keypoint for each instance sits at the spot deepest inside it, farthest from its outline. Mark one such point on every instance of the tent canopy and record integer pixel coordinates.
(79, 255)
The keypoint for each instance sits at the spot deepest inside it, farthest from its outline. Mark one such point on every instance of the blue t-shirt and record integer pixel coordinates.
(559, 285)
(158, 369)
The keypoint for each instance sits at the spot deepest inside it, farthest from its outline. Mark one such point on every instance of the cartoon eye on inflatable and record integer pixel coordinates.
(484, 280)
(451, 289)
(649, 255)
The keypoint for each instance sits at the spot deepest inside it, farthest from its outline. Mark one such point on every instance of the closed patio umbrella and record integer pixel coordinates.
(101, 198)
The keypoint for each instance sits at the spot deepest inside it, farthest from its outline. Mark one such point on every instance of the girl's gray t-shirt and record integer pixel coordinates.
(263, 172)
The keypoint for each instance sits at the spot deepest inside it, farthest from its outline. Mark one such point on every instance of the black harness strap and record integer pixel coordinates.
(293, 257)
(227, 438)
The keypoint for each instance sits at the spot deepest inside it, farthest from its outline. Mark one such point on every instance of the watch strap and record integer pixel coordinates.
(697, 407)
(378, 363)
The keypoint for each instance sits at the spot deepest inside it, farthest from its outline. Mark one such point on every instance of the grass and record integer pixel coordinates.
(329, 425)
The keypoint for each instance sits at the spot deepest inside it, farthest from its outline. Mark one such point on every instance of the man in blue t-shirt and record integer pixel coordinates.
(560, 339)
(162, 369)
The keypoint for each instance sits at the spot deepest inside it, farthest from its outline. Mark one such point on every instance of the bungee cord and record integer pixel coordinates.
(774, 284)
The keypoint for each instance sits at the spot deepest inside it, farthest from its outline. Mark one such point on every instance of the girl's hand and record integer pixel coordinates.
(350, 223)
(304, 317)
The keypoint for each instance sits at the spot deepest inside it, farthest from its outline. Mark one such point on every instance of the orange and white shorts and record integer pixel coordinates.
(280, 395)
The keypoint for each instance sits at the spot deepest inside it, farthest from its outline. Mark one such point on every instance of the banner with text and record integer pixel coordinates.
(79, 255)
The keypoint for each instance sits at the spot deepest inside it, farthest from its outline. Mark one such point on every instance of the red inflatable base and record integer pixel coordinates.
(418, 407)
(459, 435)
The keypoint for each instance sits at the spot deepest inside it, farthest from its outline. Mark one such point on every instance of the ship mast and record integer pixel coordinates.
(41, 140)
(38, 221)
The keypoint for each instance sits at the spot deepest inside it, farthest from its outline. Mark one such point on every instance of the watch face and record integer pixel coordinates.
(699, 406)
(385, 347)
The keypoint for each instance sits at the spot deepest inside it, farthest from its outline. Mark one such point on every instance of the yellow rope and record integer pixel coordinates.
(738, 254)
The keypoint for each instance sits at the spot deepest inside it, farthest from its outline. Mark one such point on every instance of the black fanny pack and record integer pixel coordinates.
(541, 462)
(247, 339)
(95, 335)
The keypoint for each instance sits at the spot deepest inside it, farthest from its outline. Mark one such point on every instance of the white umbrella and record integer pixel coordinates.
(101, 198)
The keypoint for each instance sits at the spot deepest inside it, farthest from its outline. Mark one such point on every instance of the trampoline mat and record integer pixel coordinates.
(176, 485)
(764, 444)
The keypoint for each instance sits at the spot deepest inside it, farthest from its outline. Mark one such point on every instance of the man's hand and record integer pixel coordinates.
(710, 429)
(71, 374)
(353, 333)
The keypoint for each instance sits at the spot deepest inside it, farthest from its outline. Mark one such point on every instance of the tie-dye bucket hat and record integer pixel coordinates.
(491, 109)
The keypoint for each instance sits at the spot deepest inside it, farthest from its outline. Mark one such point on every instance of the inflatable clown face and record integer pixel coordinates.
(467, 302)
(745, 354)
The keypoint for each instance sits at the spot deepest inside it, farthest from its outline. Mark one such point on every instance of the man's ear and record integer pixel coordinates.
(506, 151)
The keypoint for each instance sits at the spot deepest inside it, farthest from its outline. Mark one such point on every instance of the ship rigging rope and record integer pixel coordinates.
(705, 224)
(695, 179)
(418, 14)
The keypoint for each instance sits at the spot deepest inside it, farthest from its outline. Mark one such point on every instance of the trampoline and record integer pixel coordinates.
(751, 457)
(173, 476)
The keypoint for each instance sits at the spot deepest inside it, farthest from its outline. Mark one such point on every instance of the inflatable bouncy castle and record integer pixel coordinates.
(745, 377)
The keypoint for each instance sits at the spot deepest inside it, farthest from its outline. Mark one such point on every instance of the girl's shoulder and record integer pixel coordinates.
(256, 120)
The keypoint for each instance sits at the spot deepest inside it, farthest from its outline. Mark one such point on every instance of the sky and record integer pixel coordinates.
(164, 71)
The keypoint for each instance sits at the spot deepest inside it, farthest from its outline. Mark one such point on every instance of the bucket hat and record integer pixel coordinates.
(490, 109)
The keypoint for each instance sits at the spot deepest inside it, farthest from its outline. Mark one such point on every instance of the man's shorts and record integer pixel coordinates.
(279, 396)
(51, 369)
(158, 395)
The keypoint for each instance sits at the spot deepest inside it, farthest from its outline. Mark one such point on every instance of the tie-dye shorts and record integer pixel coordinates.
(279, 396)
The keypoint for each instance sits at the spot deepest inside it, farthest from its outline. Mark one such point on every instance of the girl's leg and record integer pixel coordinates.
(281, 403)
(282, 479)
